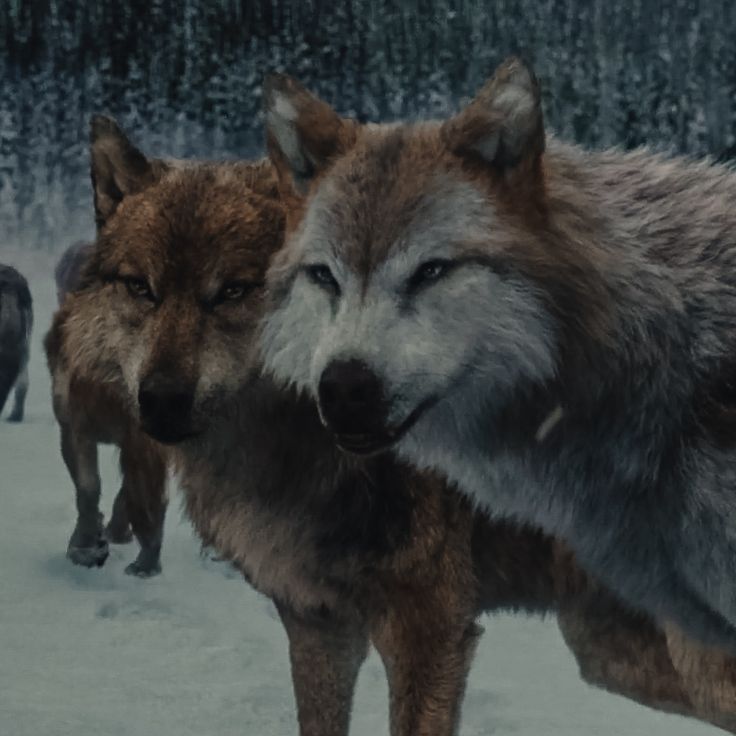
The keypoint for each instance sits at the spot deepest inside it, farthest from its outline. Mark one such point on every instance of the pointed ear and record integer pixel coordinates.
(118, 168)
(503, 125)
(303, 133)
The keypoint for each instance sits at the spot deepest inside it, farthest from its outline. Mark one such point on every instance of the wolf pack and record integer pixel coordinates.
(405, 374)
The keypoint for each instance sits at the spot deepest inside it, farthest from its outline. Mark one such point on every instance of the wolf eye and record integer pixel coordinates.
(321, 275)
(138, 288)
(234, 291)
(429, 272)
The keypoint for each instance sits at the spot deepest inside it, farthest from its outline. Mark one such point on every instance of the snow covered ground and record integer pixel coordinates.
(196, 651)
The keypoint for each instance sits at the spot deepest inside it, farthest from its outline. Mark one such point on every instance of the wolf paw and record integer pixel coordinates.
(15, 418)
(93, 556)
(142, 570)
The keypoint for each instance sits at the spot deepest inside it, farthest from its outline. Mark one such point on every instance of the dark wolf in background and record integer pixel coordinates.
(16, 325)
(351, 550)
(68, 271)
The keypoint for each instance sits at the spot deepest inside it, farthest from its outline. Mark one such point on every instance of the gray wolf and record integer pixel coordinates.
(351, 550)
(16, 325)
(89, 412)
(550, 328)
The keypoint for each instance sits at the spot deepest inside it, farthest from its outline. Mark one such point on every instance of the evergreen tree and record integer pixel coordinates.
(184, 77)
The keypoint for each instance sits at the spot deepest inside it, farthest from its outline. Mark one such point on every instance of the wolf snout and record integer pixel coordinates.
(165, 406)
(351, 402)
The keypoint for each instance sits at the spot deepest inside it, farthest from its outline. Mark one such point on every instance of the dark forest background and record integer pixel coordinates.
(183, 77)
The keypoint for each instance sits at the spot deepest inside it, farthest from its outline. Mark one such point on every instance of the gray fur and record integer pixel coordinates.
(16, 325)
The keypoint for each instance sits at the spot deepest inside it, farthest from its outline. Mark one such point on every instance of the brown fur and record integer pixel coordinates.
(352, 551)
(708, 675)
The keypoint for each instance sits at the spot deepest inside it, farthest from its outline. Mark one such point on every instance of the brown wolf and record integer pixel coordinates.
(16, 325)
(351, 550)
(551, 328)
(89, 412)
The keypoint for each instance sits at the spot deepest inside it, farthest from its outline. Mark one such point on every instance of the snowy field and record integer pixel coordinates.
(196, 651)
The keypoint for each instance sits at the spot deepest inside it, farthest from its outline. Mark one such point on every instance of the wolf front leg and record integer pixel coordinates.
(326, 656)
(427, 647)
(143, 466)
(87, 545)
(118, 529)
(9, 368)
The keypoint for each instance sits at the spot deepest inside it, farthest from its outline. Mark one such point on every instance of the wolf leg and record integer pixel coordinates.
(427, 647)
(622, 651)
(708, 675)
(118, 529)
(87, 545)
(21, 389)
(326, 656)
(144, 491)
(8, 376)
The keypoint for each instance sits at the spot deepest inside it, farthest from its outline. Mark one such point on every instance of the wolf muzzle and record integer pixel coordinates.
(352, 405)
(165, 407)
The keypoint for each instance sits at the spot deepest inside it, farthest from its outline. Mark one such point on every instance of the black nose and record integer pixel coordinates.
(165, 405)
(351, 398)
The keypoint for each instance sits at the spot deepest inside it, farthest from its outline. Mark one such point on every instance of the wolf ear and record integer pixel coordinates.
(303, 133)
(503, 125)
(118, 168)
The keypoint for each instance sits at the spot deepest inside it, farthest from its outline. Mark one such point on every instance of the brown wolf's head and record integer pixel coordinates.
(417, 262)
(170, 300)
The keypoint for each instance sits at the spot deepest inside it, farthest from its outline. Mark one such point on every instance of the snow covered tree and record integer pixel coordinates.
(183, 76)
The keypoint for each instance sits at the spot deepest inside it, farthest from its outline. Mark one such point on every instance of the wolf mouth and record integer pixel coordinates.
(169, 436)
(363, 444)
(366, 444)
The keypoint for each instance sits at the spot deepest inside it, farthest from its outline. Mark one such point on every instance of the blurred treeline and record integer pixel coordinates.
(183, 77)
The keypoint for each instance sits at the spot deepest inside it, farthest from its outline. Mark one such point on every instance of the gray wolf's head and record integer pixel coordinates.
(173, 292)
(416, 263)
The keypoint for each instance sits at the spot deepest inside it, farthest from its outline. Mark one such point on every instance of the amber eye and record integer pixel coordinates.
(429, 272)
(138, 288)
(320, 274)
